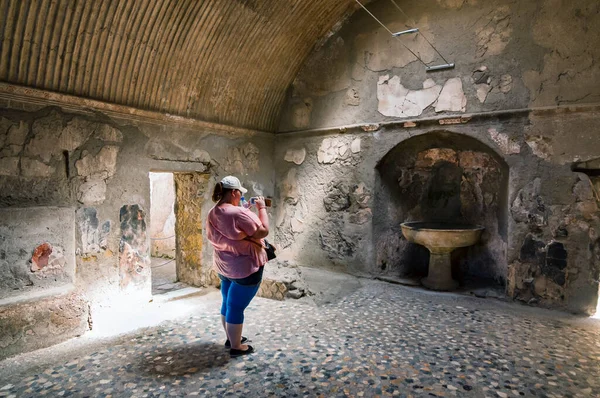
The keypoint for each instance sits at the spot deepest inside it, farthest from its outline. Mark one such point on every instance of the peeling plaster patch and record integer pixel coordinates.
(94, 237)
(103, 164)
(540, 146)
(528, 206)
(327, 152)
(53, 264)
(93, 191)
(76, 133)
(40, 257)
(51, 138)
(494, 34)
(397, 100)
(506, 144)
(35, 168)
(108, 133)
(297, 221)
(301, 113)
(296, 156)
(134, 258)
(481, 75)
(483, 91)
(332, 149)
(355, 145)
(289, 188)
(505, 83)
(352, 97)
(452, 98)
(44, 142)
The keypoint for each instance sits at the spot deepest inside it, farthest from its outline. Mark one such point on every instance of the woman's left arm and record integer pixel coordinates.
(263, 216)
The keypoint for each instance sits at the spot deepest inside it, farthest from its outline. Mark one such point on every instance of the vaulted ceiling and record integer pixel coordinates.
(223, 61)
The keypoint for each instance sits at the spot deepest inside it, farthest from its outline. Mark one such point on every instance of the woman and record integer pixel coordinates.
(236, 234)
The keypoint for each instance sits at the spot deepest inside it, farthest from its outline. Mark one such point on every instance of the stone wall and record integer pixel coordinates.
(75, 200)
(524, 89)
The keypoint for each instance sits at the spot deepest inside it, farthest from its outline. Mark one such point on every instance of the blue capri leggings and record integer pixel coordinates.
(237, 294)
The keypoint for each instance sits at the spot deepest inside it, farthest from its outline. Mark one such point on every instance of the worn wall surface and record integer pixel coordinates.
(525, 92)
(191, 190)
(508, 55)
(50, 265)
(86, 173)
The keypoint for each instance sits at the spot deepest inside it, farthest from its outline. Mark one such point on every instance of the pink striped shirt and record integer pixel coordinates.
(234, 256)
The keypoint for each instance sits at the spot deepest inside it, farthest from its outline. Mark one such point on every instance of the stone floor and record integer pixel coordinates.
(380, 340)
(164, 276)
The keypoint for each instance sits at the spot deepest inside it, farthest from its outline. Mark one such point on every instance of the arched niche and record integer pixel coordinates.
(448, 177)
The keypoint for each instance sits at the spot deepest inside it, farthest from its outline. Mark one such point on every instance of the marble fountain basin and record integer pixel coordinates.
(441, 239)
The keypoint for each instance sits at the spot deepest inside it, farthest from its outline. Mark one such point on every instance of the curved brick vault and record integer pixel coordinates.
(223, 61)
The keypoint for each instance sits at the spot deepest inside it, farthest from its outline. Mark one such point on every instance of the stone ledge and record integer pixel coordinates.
(282, 280)
(33, 325)
(34, 296)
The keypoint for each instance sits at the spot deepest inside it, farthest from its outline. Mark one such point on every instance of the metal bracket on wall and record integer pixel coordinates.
(428, 68)
(404, 32)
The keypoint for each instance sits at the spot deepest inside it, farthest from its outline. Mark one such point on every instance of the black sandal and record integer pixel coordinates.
(228, 343)
(238, 353)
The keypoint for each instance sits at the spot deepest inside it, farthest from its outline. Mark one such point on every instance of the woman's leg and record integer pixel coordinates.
(237, 300)
(225, 287)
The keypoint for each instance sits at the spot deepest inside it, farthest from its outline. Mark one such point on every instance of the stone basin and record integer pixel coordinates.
(441, 239)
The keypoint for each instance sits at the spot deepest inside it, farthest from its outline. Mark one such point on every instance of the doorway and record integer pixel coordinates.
(162, 233)
(176, 232)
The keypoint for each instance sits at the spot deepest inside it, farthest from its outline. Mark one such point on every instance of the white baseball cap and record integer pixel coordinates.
(231, 182)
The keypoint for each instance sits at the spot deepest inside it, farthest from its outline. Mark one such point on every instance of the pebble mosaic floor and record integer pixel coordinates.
(382, 340)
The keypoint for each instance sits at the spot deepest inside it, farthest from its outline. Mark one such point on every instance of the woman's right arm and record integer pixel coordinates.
(263, 230)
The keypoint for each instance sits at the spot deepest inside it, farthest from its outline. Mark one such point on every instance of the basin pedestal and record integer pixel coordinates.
(441, 239)
(439, 276)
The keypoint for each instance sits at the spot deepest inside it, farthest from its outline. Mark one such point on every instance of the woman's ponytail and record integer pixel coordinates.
(217, 194)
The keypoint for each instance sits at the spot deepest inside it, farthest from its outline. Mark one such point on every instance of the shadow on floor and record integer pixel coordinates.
(184, 359)
(481, 288)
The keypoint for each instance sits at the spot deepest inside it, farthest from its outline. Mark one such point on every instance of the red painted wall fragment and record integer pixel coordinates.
(40, 257)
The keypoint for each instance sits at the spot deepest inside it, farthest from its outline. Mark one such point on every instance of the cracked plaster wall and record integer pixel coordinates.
(331, 212)
(508, 55)
(97, 170)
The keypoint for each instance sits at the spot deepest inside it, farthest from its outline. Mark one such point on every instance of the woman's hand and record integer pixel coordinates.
(260, 202)
(263, 230)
